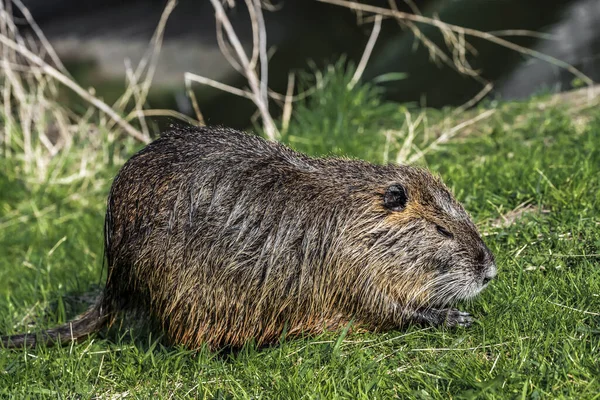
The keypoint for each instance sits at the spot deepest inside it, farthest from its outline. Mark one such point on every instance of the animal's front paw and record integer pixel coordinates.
(450, 317)
(456, 317)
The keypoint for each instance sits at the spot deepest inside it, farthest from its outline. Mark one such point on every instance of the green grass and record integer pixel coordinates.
(538, 328)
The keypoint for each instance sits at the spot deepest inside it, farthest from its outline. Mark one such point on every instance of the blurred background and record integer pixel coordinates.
(94, 39)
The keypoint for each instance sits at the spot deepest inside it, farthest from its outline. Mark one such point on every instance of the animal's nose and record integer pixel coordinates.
(490, 273)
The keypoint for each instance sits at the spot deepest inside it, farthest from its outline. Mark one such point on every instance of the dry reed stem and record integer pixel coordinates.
(192, 96)
(287, 107)
(189, 77)
(38, 130)
(157, 40)
(474, 100)
(447, 27)
(262, 51)
(386, 148)
(267, 5)
(226, 49)
(408, 143)
(523, 33)
(256, 35)
(366, 53)
(258, 88)
(138, 97)
(146, 64)
(43, 40)
(259, 36)
(54, 73)
(510, 217)
(449, 134)
(157, 112)
(297, 97)
(435, 52)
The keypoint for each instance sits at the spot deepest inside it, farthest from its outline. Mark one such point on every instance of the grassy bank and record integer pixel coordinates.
(529, 174)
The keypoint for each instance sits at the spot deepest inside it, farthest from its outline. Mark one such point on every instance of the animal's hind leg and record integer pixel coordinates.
(320, 325)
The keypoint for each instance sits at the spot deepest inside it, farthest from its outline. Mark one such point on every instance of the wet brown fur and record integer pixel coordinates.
(222, 237)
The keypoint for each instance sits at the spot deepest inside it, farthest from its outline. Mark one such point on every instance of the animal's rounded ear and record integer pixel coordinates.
(395, 197)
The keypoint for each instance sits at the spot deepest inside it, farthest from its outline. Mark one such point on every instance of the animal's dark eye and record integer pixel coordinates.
(444, 231)
(395, 198)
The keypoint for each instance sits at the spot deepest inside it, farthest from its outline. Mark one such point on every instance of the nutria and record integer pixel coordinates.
(223, 237)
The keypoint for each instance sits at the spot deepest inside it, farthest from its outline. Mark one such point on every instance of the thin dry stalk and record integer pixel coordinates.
(474, 100)
(6, 139)
(449, 134)
(459, 30)
(409, 138)
(12, 31)
(523, 33)
(192, 96)
(366, 53)
(287, 107)
(226, 49)
(256, 34)
(147, 64)
(45, 43)
(258, 87)
(409, 3)
(267, 5)
(262, 51)
(458, 45)
(297, 97)
(38, 130)
(7, 94)
(506, 219)
(157, 112)
(157, 40)
(189, 77)
(25, 117)
(138, 97)
(435, 52)
(54, 73)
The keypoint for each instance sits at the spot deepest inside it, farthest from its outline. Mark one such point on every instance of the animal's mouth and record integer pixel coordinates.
(459, 292)
(456, 287)
(475, 288)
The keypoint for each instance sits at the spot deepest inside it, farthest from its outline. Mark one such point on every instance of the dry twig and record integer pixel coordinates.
(59, 76)
(449, 134)
(148, 65)
(367, 53)
(455, 32)
(258, 87)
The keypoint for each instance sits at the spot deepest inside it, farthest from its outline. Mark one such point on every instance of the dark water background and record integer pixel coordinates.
(93, 38)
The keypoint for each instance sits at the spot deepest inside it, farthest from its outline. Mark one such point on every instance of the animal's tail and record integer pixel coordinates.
(89, 322)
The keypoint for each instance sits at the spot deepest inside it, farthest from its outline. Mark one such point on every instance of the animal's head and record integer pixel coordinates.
(423, 244)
